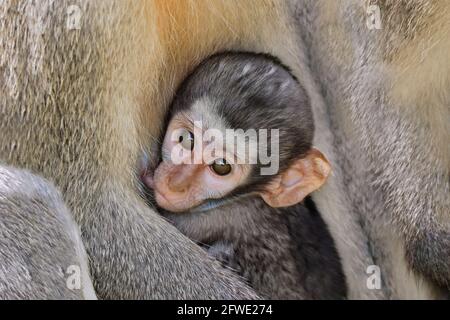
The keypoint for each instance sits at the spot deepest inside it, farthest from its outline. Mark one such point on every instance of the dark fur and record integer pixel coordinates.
(286, 253)
(283, 253)
(255, 100)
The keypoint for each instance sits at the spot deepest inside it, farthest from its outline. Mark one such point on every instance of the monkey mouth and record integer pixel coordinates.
(148, 180)
(168, 205)
(159, 196)
(146, 174)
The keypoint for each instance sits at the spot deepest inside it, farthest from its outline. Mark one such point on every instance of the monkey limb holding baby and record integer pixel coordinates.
(227, 202)
(76, 106)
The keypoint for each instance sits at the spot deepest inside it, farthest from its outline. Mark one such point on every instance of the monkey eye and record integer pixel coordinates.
(221, 167)
(186, 139)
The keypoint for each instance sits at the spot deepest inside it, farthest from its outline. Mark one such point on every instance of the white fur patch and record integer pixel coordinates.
(246, 69)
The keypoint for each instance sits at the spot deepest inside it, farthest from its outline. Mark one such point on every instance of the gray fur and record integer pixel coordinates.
(393, 181)
(64, 122)
(283, 253)
(39, 241)
(70, 110)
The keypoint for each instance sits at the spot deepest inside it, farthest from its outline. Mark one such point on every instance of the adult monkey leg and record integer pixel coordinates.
(41, 253)
(82, 99)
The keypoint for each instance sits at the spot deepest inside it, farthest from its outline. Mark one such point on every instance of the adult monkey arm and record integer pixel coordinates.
(79, 106)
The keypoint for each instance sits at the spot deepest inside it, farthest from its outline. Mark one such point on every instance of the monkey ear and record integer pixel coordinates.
(298, 181)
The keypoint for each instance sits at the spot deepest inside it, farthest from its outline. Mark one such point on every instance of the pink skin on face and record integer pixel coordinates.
(179, 187)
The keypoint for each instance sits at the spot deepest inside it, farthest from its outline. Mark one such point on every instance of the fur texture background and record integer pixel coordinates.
(79, 107)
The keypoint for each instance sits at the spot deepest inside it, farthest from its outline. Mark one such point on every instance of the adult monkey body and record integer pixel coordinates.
(390, 132)
(78, 107)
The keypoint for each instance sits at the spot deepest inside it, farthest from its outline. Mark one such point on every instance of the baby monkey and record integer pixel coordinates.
(242, 192)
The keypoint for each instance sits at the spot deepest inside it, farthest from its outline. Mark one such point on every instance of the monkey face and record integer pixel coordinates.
(190, 173)
(202, 160)
(188, 176)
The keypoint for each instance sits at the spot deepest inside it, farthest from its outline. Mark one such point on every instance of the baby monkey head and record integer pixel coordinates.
(239, 124)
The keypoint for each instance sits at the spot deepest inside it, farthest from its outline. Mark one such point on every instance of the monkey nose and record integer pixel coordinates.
(178, 184)
(181, 179)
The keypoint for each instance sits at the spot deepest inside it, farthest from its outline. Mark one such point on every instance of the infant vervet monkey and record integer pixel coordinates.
(241, 193)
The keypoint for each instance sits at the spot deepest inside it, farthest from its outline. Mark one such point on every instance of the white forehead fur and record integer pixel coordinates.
(205, 110)
(246, 69)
